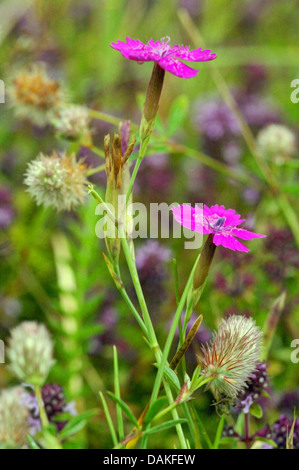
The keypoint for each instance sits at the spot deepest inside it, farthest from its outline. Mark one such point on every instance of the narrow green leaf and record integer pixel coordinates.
(268, 441)
(164, 426)
(155, 408)
(74, 428)
(219, 432)
(172, 377)
(124, 407)
(32, 443)
(204, 437)
(76, 423)
(120, 423)
(290, 435)
(109, 420)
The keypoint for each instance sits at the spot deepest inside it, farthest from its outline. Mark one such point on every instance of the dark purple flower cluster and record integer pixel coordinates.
(6, 210)
(256, 386)
(235, 287)
(288, 402)
(108, 318)
(279, 432)
(283, 255)
(220, 129)
(55, 404)
(228, 431)
(193, 7)
(155, 177)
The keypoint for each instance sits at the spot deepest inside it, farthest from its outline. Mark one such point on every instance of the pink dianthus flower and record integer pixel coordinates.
(167, 57)
(222, 223)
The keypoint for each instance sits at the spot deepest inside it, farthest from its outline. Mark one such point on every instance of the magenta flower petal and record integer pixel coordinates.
(185, 215)
(246, 234)
(216, 220)
(142, 55)
(177, 68)
(198, 55)
(135, 51)
(229, 242)
(163, 54)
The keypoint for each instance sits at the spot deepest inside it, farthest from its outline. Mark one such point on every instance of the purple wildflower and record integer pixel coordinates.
(282, 254)
(228, 431)
(167, 57)
(193, 7)
(280, 430)
(154, 177)
(219, 128)
(124, 131)
(288, 402)
(255, 76)
(6, 210)
(257, 384)
(109, 319)
(55, 404)
(148, 251)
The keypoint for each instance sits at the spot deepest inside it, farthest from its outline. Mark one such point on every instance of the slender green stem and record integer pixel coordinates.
(150, 330)
(98, 151)
(121, 288)
(141, 155)
(109, 420)
(177, 297)
(165, 411)
(96, 170)
(41, 407)
(189, 418)
(135, 279)
(120, 423)
(171, 334)
(48, 440)
(104, 117)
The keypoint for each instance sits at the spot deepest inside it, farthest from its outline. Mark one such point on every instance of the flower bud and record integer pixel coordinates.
(30, 352)
(13, 419)
(72, 122)
(35, 95)
(118, 179)
(276, 142)
(231, 357)
(57, 180)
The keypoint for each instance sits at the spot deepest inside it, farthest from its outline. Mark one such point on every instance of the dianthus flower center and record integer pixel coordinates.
(164, 49)
(213, 223)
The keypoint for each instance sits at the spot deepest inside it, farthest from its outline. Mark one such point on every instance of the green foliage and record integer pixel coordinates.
(52, 268)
